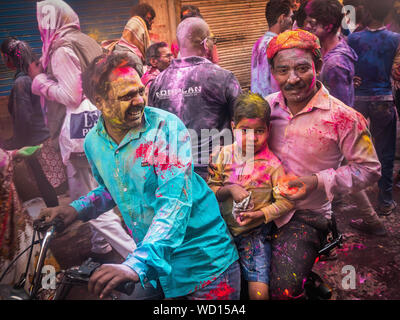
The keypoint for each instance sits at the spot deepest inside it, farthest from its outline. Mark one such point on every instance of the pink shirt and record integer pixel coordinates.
(317, 140)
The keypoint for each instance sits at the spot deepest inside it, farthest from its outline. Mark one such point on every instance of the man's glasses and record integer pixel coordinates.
(209, 40)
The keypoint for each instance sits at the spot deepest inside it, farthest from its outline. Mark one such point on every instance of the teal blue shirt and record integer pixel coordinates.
(182, 240)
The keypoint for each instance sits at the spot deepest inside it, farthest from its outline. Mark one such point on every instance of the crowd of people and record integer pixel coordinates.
(202, 187)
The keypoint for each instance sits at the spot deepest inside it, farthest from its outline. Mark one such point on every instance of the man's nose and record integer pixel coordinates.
(293, 77)
(137, 99)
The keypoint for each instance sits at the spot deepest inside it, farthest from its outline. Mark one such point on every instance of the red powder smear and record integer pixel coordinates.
(206, 283)
(122, 69)
(342, 122)
(283, 185)
(161, 161)
(286, 292)
(221, 292)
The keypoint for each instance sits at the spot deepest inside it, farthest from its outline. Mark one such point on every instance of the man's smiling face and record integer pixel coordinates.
(295, 73)
(124, 105)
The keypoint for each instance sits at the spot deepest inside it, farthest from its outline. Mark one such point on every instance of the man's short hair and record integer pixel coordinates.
(153, 51)
(300, 15)
(95, 79)
(142, 9)
(379, 9)
(188, 11)
(326, 12)
(189, 31)
(251, 106)
(362, 15)
(275, 8)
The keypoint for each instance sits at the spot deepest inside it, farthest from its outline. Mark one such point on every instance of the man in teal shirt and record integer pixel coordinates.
(141, 159)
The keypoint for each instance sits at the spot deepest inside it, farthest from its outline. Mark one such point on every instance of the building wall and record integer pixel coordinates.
(102, 20)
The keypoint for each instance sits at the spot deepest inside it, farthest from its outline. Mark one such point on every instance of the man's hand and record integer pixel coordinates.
(108, 277)
(34, 69)
(238, 193)
(66, 214)
(303, 186)
(248, 217)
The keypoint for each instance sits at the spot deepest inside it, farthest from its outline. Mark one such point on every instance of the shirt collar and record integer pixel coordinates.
(319, 101)
(378, 29)
(189, 61)
(131, 135)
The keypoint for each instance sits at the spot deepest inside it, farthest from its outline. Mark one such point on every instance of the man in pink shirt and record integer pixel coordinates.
(311, 133)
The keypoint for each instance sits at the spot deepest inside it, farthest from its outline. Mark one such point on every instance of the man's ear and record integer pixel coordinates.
(328, 28)
(281, 18)
(232, 125)
(99, 102)
(318, 65)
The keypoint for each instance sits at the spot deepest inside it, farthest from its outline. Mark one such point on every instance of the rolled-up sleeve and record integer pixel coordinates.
(172, 208)
(362, 167)
(66, 88)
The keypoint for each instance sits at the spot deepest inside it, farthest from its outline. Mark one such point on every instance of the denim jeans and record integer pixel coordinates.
(255, 254)
(224, 287)
(383, 126)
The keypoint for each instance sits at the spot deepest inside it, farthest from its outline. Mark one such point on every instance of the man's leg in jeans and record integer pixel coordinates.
(294, 250)
(108, 225)
(225, 287)
(383, 130)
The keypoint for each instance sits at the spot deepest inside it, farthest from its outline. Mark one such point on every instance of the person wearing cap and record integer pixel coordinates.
(311, 133)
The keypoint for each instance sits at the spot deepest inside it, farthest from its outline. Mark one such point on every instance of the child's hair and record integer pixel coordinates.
(251, 106)
(20, 53)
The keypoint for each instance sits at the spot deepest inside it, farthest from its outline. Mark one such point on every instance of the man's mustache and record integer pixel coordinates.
(136, 107)
(298, 86)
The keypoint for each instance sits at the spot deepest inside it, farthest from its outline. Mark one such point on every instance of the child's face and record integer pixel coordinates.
(252, 133)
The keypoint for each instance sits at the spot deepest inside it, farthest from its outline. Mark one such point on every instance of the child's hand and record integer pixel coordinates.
(248, 217)
(238, 193)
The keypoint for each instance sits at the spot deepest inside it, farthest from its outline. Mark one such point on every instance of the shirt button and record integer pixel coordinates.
(125, 189)
(117, 151)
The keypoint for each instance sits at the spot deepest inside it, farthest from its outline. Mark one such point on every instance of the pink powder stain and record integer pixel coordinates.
(122, 70)
(160, 160)
(342, 122)
(221, 292)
